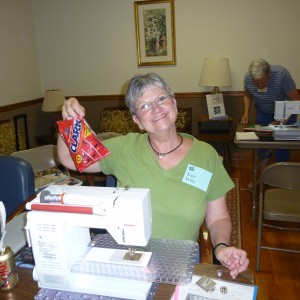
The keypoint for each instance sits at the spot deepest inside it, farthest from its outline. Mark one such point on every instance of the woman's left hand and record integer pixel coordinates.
(234, 259)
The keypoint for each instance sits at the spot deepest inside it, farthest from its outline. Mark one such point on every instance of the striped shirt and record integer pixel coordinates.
(279, 84)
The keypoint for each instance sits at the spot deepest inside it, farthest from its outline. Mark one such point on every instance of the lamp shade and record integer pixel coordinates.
(215, 72)
(53, 100)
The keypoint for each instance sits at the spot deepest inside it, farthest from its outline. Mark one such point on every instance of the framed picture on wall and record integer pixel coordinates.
(155, 32)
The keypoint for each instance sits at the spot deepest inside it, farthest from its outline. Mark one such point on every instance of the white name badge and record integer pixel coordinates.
(264, 90)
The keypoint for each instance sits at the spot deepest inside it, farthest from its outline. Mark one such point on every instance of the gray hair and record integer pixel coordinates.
(140, 82)
(259, 68)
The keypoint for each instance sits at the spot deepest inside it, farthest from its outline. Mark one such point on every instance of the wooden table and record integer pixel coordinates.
(265, 141)
(27, 288)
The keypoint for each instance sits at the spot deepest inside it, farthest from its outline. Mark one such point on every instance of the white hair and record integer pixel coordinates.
(259, 68)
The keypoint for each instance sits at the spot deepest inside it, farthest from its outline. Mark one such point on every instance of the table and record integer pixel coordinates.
(266, 142)
(217, 132)
(51, 139)
(27, 287)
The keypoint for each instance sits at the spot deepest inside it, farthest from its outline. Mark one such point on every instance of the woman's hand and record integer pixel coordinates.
(244, 119)
(72, 109)
(233, 258)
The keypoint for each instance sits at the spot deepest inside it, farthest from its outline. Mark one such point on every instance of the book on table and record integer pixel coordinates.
(240, 136)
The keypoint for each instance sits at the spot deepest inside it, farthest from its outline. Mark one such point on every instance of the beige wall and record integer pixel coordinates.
(88, 47)
(19, 69)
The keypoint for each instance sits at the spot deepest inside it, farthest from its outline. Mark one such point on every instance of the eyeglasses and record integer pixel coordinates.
(145, 106)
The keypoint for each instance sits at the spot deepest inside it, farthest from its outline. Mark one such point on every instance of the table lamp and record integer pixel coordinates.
(53, 102)
(215, 73)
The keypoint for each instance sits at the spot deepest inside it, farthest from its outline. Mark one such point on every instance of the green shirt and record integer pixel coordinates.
(178, 208)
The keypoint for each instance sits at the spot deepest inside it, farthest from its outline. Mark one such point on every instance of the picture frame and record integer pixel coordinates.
(215, 107)
(155, 32)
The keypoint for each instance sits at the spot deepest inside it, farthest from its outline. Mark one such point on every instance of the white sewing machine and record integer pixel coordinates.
(283, 110)
(59, 234)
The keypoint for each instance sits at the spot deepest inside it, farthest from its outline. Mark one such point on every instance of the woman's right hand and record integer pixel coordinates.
(72, 109)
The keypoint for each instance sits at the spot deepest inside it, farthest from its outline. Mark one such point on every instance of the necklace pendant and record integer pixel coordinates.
(160, 155)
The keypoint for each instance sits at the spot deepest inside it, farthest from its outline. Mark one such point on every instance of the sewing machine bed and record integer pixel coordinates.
(171, 262)
(64, 295)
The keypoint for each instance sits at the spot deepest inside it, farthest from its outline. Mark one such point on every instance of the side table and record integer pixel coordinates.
(217, 133)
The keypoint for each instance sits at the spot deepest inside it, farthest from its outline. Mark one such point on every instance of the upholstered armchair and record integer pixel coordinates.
(9, 140)
(119, 120)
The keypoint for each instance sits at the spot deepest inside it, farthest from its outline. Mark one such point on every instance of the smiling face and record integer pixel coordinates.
(161, 112)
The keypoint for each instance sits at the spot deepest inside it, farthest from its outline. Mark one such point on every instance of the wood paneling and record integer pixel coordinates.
(39, 123)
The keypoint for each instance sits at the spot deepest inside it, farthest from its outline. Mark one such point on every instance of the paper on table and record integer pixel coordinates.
(233, 291)
(246, 136)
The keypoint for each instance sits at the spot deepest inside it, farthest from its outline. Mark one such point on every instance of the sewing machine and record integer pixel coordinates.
(58, 229)
(283, 110)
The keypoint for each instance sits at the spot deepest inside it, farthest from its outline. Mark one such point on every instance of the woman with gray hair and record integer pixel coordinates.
(186, 178)
(265, 84)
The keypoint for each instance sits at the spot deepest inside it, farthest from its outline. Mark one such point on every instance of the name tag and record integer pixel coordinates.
(264, 90)
(197, 177)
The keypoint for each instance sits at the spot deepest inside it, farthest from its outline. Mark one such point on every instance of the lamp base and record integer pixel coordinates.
(216, 90)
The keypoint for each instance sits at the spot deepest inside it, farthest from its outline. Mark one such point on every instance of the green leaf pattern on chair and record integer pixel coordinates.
(120, 121)
(8, 138)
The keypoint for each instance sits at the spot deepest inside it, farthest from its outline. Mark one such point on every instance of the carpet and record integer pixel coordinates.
(233, 204)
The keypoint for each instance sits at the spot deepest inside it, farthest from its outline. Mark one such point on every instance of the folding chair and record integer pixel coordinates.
(279, 200)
